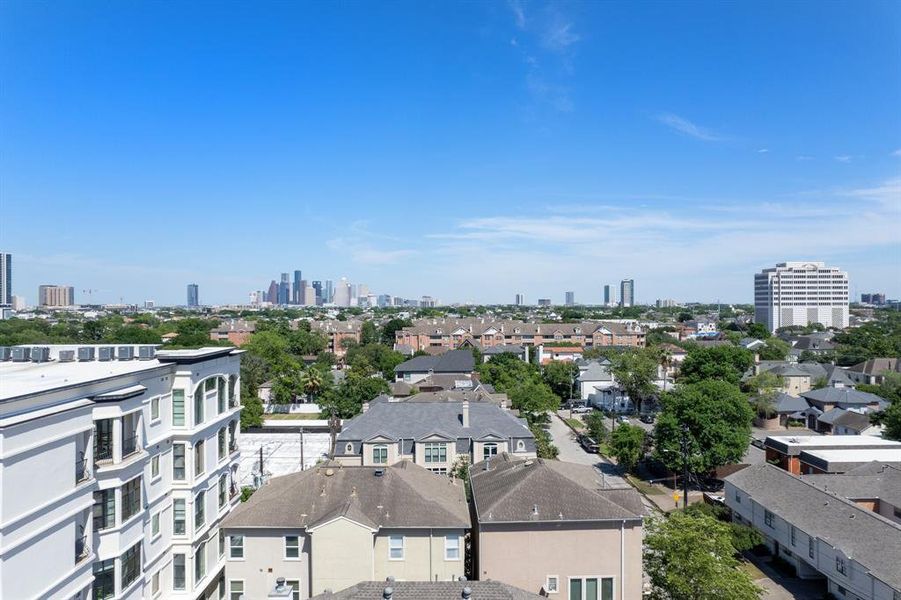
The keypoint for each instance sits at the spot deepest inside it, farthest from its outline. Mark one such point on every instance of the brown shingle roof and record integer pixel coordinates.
(431, 590)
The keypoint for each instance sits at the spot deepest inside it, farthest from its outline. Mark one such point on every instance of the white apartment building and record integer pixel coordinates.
(800, 293)
(117, 464)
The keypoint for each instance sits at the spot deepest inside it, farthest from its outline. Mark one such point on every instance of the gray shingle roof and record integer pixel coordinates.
(595, 372)
(415, 420)
(452, 361)
(786, 403)
(405, 495)
(431, 590)
(831, 415)
(867, 482)
(871, 540)
(877, 366)
(510, 490)
(852, 420)
(831, 395)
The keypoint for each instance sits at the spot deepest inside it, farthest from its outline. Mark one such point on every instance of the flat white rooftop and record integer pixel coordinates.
(830, 441)
(858, 455)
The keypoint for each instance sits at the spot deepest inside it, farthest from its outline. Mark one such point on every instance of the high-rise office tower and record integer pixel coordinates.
(342, 293)
(6, 278)
(57, 295)
(520, 300)
(317, 287)
(302, 295)
(193, 295)
(627, 292)
(606, 295)
(272, 294)
(329, 295)
(570, 298)
(284, 290)
(297, 297)
(309, 295)
(800, 293)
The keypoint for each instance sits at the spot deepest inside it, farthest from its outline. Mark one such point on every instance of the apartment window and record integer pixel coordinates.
(295, 588)
(155, 467)
(811, 546)
(840, 564)
(552, 585)
(104, 509)
(178, 572)
(178, 462)
(221, 543)
(768, 518)
(236, 546)
(103, 439)
(380, 454)
(292, 546)
(198, 405)
(452, 547)
(223, 490)
(104, 579)
(435, 453)
(591, 588)
(395, 547)
(131, 498)
(178, 409)
(235, 589)
(199, 509)
(223, 443)
(793, 535)
(155, 525)
(221, 394)
(209, 384)
(179, 526)
(155, 409)
(489, 450)
(131, 565)
(198, 458)
(200, 563)
(155, 584)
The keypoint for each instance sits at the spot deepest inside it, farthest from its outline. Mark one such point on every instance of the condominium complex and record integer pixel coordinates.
(627, 292)
(193, 295)
(117, 464)
(6, 278)
(570, 298)
(56, 295)
(800, 293)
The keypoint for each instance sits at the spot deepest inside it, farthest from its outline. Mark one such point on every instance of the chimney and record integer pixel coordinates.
(466, 413)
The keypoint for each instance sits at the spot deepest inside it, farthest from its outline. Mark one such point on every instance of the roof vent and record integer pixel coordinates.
(388, 593)
(126, 352)
(40, 354)
(21, 354)
(5, 353)
(378, 472)
(535, 509)
(528, 463)
(461, 578)
(106, 353)
(85, 353)
(66, 355)
(466, 593)
(329, 472)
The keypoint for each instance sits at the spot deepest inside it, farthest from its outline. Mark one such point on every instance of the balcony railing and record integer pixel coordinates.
(82, 470)
(232, 446)
(82, 550)
(129, 444)
(103, 448)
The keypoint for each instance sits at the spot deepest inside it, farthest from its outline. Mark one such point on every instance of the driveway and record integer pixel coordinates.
(570, 451)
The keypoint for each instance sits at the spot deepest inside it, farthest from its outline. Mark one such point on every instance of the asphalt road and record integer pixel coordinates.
(570, 451)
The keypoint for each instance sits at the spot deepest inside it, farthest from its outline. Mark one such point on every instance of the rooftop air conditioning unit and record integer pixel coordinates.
(107, 353)
(66, 355)
(40, 354)
(21, 354)
(146, 352)
(126, 352)
(5, 353)
(86, 353)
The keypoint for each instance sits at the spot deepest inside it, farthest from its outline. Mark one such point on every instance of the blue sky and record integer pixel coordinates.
(464, 150)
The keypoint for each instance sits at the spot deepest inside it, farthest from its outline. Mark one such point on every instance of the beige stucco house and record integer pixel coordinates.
(334, 526)
(551, 527)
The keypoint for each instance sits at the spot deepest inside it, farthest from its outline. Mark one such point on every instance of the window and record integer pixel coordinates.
(520, 445)
(104, 509)
(236, 546)
(131, 565)
(223, 443)
(209, 384)
(235, 589)
(104, 579)
(155, 525)
(435, 453)
(198, 405)
(587, 588)
(452, 547)
(841, 590)
(349, 448)
(178, 462)
(552, 586)
(489, 450)
(221, 543)
(155, 584)
(768, 518)
(220, 394)
(178, 571)
(178, 409)
(811, 545)
(295, 588)
(897, 512)
(395, 547)
(200, 563)
(380, 454)
(737, 497)
(199, 509)
(103, 439)
(840, 564)
(793, 535)
(155, 467)
(292, 546)
(155, 409)
(131, 498)
(178, 516)
(198, 458)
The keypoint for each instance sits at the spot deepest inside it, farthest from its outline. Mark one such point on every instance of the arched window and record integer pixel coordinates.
(380, 454)
(520, 445)
(349, 448)
(489, 450)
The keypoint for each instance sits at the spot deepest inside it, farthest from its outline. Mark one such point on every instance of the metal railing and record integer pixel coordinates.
(103, 447)
(82, 470)
(82, 550)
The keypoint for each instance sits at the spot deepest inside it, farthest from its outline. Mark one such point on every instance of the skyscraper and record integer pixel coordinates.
(627, 292)
(284, 290)
(342, 293)
(329, 295)
(520, 300)
(317, 287)
(6, 278)
(298, 288)
(570, 298)
(606, 295)
(272, 294)
(301, 292)
(800, 293)
(193, 295)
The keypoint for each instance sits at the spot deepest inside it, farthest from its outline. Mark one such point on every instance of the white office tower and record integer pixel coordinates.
(117, 464)
(800, 293)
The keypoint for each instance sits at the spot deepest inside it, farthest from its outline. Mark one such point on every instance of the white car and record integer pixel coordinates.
(581, 409)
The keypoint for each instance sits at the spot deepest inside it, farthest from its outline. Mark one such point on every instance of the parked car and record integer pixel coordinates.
(581, 409)
(622, 419)
(588, 444)
(757, 443)
(646, 418)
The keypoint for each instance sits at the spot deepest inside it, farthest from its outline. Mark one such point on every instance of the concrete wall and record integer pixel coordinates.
(342, 555)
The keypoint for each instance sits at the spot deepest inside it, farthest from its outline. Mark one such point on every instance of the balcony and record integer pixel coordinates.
(82, 470)
(82, 550)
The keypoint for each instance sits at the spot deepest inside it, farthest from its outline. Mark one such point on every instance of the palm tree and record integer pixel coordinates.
(311, 382)
(666, 360)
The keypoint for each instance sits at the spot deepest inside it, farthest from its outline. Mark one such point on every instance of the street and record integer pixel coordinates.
(570, 451)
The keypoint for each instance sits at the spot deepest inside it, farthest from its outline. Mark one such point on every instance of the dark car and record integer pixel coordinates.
(646, 418)
(758, 443)
(588, 444)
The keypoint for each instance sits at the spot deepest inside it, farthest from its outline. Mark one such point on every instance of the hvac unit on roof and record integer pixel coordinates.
(5, 353)
(126, 352)
(107, 353)
(146, 352)
(86, 353)
(21, 354)
(40, 354)
(66, 355)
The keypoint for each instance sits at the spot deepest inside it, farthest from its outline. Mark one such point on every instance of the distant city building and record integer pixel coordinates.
(149, 303)
(284, 290)
(254, 298)
(627, 292)
(309, 296)
(329, 294)
(56, 295)
(384, 300)
(606, 295)
(544, 302)
(570, 298)
(342, 293)
(428, 302)
(272, 294)
(300, 293)
(299, 285)
(877, 299)
(800, 293)
(520, 300)
(193, 295)
(666, 303)
(6, 278)
(19, 303)
(317, 288)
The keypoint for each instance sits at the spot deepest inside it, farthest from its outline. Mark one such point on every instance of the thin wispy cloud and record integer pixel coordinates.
(843, 158)
(686, 127)
(897, 152)
(519, 13)
(803, 157)
(560, 36)
(763, 151)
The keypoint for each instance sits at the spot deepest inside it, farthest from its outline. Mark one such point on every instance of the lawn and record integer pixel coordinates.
(575, 423)
(646, 488)
(752, 570)
(292, 417)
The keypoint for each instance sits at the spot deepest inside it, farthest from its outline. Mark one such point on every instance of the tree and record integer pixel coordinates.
(560, 377)
(764, 387)
(597, 428)
(759, 331)
(312, 381)
(725, 363)
(718, 421)
(347, 399)
(251, 412)
(533, 399)
(690, 557)
(544, 448)
(369, 334)
(390, 328)
(744, 538)
(635, 371)
(626, 444)
(775, 349)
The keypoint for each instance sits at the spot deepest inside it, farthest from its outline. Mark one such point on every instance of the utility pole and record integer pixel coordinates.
(301, 448)
(684, 445)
